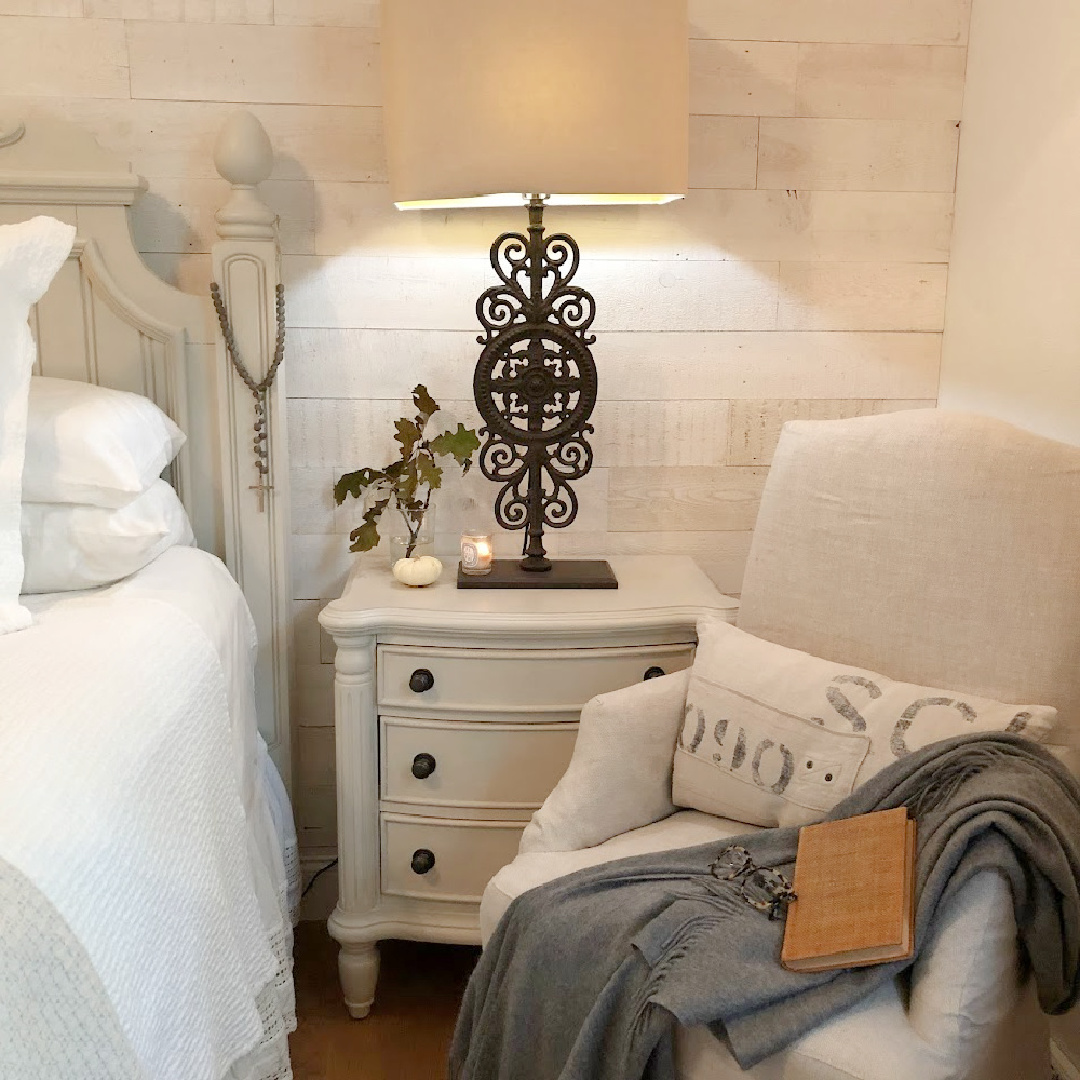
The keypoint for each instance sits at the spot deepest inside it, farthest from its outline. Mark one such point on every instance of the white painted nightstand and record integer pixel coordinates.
(456, 714)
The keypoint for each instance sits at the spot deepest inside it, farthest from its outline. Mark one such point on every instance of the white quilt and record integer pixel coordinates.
(145, 931)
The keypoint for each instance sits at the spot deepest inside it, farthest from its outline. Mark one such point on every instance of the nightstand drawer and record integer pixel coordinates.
(455, 763)
(522, 684)
(440, 860)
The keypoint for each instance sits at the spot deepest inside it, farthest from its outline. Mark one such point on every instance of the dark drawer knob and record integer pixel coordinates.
(423, 765)
(654, 672)
(422, 861)
(421, 680)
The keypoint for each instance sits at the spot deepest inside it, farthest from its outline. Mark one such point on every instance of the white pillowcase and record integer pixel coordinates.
(31, 254)
(78, 547)
(775, 736)
(89, 444)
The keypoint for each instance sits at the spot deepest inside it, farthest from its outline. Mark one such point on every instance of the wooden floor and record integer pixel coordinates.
(408, 1033)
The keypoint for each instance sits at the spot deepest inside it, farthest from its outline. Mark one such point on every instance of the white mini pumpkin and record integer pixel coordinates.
(419, 571)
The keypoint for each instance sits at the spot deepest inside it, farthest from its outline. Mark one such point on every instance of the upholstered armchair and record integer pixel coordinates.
(937, 548)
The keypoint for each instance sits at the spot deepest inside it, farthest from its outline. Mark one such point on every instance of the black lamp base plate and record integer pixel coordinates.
(564, 574)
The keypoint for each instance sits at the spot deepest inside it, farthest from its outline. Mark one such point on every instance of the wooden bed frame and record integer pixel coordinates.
(109, 320)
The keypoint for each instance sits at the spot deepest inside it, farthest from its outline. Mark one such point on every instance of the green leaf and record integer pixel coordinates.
(407, 482)
(356, 483)
(366, 536)
(425, 404)
(429, 472)
(460, 445)
(408, 434)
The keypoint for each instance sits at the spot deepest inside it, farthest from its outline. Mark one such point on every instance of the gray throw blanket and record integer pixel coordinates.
(586, 977)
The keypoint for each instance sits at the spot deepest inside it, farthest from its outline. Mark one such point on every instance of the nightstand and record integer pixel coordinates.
(456, 714)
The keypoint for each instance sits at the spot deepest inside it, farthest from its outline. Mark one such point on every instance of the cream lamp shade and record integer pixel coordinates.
(582, 101)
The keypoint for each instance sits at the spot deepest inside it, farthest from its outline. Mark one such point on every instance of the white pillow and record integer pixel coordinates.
(774, 736)
(619, 777)
(31, 254)
(78, 547)
(89, 444)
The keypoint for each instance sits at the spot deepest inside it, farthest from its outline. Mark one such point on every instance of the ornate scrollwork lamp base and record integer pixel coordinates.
(535, 387)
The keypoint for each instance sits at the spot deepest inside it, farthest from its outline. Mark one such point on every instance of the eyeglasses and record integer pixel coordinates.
(761, 887)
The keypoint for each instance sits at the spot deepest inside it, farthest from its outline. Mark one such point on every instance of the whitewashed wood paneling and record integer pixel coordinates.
(175, 139)
(55, 57)
(440, 294)
(307, 647)
(337, 364)
(55, 8)
(659, 434)
(723, 151)
(222, 11)
(859, 155)
(881, 82)
(315, 749)
(862, 296)
(755, 425)
(887, 22)
(743, 78)
(314, 690)
(309, 65)
(710, 225)
(684, 499)
(327, 13)
(312, 502)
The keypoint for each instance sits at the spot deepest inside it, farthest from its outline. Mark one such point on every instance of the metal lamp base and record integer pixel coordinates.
(564, 574)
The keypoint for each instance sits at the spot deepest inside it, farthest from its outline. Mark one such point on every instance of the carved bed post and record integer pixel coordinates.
(247, 269)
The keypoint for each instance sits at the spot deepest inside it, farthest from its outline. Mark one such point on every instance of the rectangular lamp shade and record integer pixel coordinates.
(585, 101)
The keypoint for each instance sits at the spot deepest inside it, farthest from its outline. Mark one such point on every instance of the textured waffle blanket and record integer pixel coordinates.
(586, 978)
(134, 941)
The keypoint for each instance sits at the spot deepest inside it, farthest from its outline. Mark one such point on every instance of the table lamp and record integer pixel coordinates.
(567, 102)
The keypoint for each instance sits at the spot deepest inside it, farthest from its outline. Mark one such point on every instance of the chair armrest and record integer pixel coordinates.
(619, 777)
(965, 989)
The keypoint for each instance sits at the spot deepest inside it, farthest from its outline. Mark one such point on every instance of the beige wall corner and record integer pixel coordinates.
(1012, 321)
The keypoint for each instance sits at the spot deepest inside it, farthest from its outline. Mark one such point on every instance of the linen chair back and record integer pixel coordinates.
(934, 547)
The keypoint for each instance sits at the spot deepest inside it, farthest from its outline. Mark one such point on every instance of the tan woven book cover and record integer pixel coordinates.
(855, 884)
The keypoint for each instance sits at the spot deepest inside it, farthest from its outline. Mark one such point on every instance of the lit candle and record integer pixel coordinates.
(475, 553)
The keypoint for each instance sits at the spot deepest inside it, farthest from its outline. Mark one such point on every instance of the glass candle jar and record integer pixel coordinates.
(476, 553)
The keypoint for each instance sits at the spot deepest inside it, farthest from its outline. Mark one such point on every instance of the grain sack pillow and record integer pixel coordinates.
(775, 736)
(31, 254)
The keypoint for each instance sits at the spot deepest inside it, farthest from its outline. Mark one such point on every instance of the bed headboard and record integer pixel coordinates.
(108, 319)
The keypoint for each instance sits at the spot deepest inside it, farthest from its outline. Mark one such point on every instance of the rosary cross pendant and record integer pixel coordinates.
(263, 487)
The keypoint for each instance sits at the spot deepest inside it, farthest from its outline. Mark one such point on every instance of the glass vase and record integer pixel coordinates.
(424, 542)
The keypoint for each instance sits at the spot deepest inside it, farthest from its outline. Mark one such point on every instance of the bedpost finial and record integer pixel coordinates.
(243, 156)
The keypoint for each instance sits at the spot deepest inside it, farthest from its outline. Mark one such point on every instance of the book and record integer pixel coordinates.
(855, 886)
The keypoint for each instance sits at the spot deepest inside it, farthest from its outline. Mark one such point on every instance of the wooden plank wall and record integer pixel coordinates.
(803, 277)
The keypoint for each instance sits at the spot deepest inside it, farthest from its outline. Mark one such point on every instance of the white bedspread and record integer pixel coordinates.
(142, 882)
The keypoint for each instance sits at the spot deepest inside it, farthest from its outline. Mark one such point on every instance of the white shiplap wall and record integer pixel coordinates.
(804, 276)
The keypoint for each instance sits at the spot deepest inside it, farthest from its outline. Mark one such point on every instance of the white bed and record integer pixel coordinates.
(148, 870)
(141, 807)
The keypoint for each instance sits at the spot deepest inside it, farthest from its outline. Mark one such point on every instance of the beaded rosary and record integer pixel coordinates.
(259, 390)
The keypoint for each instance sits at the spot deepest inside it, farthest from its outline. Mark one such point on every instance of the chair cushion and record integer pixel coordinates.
(774, 736)
(938, 547)
(961, 1007)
